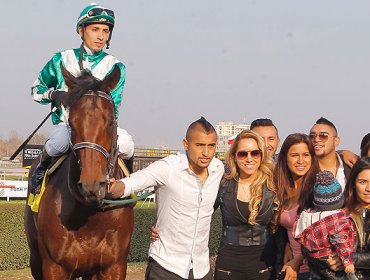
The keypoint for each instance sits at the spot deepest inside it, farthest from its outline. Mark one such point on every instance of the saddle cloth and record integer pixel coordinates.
(34, 199)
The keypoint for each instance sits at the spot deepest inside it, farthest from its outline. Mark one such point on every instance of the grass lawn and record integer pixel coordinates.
(22, 273)
(15, 273)
(13, 200)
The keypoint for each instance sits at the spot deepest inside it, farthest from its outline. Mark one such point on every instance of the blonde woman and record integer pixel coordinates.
(247, 199)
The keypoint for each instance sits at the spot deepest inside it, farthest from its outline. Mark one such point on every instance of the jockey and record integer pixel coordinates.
(95, 26)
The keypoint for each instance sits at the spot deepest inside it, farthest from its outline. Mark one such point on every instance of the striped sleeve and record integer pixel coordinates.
(46, 81)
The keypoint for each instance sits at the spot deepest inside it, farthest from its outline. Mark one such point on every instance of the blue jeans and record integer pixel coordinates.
(59, 142)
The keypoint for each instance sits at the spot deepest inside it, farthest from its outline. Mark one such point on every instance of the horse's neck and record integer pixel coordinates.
(118, 172)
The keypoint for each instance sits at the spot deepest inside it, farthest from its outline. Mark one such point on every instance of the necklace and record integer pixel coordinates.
(245, 189)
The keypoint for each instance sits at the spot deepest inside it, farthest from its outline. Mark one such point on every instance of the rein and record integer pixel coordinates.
(128, 200)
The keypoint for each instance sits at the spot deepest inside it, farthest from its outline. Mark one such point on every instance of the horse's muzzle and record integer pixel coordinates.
(93, 193)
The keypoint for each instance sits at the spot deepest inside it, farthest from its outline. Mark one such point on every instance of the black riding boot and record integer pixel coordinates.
(38, 174)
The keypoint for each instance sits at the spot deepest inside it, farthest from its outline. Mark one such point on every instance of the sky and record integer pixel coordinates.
(291, 61)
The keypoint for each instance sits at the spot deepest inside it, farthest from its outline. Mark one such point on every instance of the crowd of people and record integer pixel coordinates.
(301, 214)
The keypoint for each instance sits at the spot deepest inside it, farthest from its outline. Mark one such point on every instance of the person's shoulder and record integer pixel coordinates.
(74, 51)
(217, 164)
(172, 160)
(217, 161)
(174, 157)
(55, 59)
(57, 56)
(227, 182)
(341, 160)
(269, 190)
(344, 213)
(113, 60)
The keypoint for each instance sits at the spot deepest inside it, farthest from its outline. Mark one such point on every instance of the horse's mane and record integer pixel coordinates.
(85, 82)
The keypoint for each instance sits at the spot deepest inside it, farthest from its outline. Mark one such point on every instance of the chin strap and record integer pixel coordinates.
(80, 58)
(110, 37)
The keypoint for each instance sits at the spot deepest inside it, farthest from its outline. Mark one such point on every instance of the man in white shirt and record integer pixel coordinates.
(186, 188)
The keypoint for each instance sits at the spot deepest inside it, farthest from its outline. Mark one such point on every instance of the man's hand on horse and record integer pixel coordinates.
(59, 98)
(117, 188)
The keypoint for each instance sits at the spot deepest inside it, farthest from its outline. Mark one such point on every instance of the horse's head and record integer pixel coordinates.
(94, 132)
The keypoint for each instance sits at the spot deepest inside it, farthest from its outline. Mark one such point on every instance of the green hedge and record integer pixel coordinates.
(14, 252)
(13, 244)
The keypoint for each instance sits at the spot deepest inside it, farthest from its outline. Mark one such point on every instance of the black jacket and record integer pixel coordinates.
(236, 230)
(362, 256)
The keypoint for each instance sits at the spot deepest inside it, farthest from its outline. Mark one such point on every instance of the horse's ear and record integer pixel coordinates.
(111, 81)
(68, 77)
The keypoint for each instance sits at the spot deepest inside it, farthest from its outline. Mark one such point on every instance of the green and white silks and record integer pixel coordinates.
(50, 78)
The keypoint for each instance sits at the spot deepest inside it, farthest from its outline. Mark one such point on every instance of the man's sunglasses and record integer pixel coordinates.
(244, 154)
(323, 136)
(99, 11)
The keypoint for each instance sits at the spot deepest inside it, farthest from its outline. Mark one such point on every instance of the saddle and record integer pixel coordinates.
(34, 199)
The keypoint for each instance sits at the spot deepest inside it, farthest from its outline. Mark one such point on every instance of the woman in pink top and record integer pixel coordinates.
(294, 174)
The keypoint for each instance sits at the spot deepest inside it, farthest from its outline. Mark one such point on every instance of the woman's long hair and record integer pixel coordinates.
(264, 173)
(351, 201)
(365, 145)
(283, 177)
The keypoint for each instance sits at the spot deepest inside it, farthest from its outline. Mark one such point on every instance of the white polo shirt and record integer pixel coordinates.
(184, 212)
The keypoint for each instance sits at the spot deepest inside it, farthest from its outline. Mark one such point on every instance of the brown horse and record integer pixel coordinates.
(74, 234)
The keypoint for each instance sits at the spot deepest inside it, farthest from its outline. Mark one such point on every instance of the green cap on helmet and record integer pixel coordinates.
(95, 13)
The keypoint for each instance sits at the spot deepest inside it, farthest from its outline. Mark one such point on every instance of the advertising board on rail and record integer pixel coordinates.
(13, 189)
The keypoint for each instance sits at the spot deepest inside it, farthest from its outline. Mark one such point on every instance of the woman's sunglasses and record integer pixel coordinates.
(244, 154)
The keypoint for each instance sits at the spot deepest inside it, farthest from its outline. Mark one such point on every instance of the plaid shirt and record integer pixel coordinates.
(335, 232)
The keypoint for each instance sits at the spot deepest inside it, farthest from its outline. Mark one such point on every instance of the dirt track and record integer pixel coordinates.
(136, 272)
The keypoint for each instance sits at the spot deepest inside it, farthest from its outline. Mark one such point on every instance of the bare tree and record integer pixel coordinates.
(10, 145)
(39, 139)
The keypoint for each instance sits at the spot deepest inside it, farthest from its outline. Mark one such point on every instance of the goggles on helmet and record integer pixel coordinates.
(99, 11)
(96, 14)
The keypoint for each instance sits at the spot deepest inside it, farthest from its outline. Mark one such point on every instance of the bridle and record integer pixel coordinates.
(112, 156)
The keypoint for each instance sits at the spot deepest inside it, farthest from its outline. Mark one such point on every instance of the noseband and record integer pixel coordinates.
(112, 156)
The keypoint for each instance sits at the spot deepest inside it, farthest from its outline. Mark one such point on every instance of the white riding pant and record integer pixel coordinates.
(59, 142)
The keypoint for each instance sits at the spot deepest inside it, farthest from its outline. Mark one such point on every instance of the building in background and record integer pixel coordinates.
(225, 132)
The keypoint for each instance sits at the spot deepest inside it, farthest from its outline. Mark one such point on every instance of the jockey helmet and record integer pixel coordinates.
(95, 13)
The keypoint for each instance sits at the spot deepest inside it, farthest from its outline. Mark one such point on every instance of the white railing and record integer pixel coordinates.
(13, 183)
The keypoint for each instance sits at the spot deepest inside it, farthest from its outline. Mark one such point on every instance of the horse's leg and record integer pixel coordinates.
(35, 262)
(53, 271)
(114, 272)
(31, 233)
